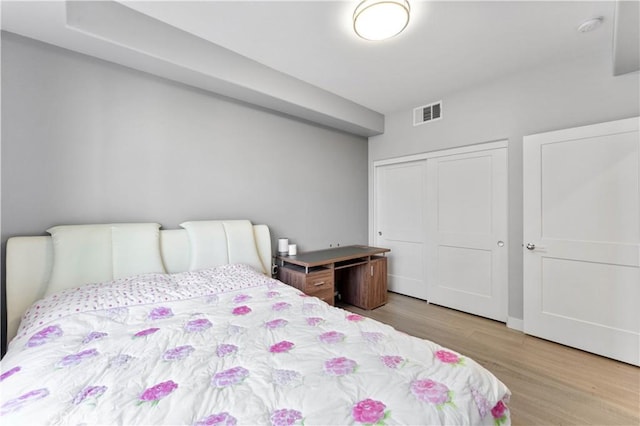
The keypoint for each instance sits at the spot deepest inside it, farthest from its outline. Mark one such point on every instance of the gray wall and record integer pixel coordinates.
(564, 95)
(87, 141)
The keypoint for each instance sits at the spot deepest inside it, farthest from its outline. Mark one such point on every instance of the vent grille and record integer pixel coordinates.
(427, 113)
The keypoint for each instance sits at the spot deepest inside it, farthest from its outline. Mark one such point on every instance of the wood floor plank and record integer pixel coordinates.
(551, 384)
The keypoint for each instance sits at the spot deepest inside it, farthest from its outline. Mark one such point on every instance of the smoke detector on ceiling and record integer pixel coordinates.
(590, 25)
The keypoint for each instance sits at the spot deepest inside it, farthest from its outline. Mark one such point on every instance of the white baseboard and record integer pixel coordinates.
(515, 323)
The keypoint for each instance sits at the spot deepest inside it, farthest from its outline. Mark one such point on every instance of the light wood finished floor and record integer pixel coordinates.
(551, 384)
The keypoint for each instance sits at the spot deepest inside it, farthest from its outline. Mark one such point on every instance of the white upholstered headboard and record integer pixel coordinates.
(30, 260)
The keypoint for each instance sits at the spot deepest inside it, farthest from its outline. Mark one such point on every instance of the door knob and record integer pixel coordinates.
(379, 232)
(501, 243)
(530, 246)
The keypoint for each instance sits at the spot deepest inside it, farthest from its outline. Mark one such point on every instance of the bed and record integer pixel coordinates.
(130, 324)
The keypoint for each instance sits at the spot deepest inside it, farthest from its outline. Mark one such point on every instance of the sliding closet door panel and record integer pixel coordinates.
(582, 237)
(399, 200)
(464, 195)
(467, 225)
(465, 270)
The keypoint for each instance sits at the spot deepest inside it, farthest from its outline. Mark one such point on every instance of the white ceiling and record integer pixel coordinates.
(302, 58)
(448, 45)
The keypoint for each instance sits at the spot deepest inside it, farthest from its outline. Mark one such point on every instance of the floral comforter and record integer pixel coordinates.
(228, 346)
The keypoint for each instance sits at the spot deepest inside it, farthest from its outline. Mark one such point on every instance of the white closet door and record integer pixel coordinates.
(582, 238)
(399, 221)
(467, 232)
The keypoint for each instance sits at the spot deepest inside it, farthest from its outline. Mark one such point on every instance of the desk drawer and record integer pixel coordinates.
(325, 296)
(318, 282)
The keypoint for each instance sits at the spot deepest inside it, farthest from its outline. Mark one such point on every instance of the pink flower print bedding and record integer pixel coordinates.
(229, 346)
(369, 412)
(155, 393)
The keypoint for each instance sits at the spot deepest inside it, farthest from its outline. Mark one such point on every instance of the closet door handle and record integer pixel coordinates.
(531, 246)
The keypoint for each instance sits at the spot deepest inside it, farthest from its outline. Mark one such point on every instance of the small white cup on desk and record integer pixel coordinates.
(293, 249)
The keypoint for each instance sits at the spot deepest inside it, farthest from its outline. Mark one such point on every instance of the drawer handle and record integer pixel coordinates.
(319, 283)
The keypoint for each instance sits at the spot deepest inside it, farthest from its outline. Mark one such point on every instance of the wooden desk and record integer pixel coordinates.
(358, 272)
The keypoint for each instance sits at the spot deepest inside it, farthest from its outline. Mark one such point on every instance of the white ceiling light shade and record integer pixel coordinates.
(380, 19)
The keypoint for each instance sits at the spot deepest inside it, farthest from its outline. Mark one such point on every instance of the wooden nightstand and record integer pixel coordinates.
(360, 273)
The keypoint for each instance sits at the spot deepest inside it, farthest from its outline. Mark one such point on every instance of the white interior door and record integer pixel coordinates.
(467, 232)
(582, 238)
(399, 223)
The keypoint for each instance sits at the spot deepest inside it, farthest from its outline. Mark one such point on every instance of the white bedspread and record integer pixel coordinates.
(229, 346)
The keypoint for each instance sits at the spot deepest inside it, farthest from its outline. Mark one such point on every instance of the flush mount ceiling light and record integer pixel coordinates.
(380, 19)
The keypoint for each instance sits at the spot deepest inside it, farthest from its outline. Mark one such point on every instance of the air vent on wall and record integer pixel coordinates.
(426, 113)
